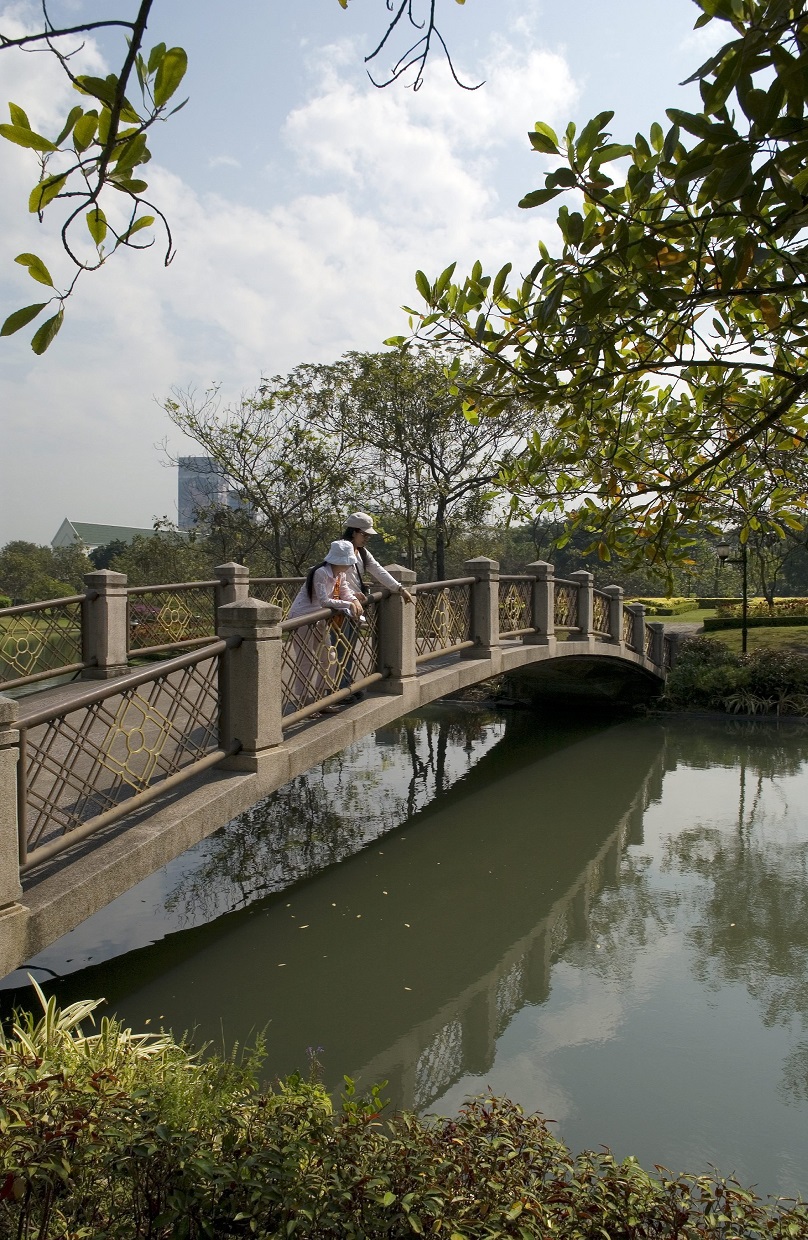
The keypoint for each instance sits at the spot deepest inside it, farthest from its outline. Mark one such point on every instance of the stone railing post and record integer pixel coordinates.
(234, 584)
(10, 889)
(397, 635)
(250, 691)
(657, 642)
(484, 605)
(615, 594)
(13, 916)
(637, 612)
(543, 575)
(585, 583)
(104, 624)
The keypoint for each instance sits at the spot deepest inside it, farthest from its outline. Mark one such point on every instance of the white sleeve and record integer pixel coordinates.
(381, 575)
(322, 590)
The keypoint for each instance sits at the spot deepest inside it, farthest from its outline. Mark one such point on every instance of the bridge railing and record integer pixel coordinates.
(115, 748)
(170, 617)
(443, 618)
(41, 640)
(326, 658)
(280, 591)
(515, 604)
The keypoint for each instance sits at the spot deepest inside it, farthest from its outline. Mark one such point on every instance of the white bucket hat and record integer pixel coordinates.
(341, 552)
(360, 521)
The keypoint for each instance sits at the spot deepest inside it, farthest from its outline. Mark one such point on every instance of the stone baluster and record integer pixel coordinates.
(250, 688)
(543, 575)
(105, 625)
(615, 594)
(585, 583)
(234, 584)
(637, 611)
(13, 917)
(397, 635)
(484, 605)
(657, 642)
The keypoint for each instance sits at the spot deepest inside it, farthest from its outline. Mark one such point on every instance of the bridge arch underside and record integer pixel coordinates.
(597, 679)
(64, 892)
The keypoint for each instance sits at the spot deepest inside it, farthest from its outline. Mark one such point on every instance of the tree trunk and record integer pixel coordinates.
(440, 541)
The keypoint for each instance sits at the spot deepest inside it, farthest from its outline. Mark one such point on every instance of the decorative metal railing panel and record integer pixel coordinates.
(83, 765)
(649, 642)
(601, 609)
(628, 629)
(566, 605)
(280, 591)
(39, 640)
(668, 652)
(325, 657)
(515, 605)
(169, 617)
(442, 618)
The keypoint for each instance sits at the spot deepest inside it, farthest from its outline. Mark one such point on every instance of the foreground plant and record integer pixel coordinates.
(126, 1136)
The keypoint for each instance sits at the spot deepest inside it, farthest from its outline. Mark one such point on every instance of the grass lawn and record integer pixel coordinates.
(795, 638)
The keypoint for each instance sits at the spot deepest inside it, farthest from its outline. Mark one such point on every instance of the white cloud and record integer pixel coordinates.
(386, 182)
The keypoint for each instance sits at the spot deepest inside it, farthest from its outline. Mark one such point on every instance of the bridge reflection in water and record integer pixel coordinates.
(407, 956)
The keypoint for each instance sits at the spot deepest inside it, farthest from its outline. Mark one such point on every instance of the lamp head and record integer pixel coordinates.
(722, 551)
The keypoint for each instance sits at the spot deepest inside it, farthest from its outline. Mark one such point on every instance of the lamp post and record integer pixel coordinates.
(722, 551)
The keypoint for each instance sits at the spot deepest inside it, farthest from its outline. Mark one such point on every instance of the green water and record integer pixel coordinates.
(608, 923)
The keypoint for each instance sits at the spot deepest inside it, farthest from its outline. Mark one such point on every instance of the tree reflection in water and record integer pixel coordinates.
(333, 811)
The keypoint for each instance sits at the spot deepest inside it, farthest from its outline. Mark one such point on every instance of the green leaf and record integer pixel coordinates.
(423, 286)
(169, 75)
(72, 117)
(145, 221)
(45, 192)
(18, 117)
(20, 318)
(127, 186)
(26, 137)
(99, 88)
(36, 268)
(84, 130)
(155, 56)
(388, 1199)
(97, 224)
(127, 155)
(541, 140)
(43, 338)
(537, 197)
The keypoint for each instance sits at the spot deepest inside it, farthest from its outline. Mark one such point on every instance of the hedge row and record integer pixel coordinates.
(712, 623)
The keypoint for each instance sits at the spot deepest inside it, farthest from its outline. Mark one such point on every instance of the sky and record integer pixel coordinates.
(301, 200)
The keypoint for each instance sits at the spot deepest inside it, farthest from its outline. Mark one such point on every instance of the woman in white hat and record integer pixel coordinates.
(317, 655)
(358, 528)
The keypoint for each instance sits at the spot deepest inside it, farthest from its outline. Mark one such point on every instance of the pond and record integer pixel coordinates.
(606, 922)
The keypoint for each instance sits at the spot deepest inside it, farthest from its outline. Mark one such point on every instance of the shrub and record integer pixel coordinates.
(707, 674)
(128, 1136)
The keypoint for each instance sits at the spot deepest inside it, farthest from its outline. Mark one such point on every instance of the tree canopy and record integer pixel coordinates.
(665, 343)
(102, 145)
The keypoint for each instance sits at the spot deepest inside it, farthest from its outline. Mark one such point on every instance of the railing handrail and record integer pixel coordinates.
(283, 580)
(170, 586)
(130, 681)
(526, 577)
(42, 604)
(423, 587)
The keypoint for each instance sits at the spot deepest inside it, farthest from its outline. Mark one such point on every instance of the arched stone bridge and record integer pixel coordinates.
(101, 786)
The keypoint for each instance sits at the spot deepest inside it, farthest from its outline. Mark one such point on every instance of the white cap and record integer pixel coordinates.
(341, 552)
(360, 521)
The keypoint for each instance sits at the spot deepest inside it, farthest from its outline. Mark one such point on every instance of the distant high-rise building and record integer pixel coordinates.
(201, 485)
